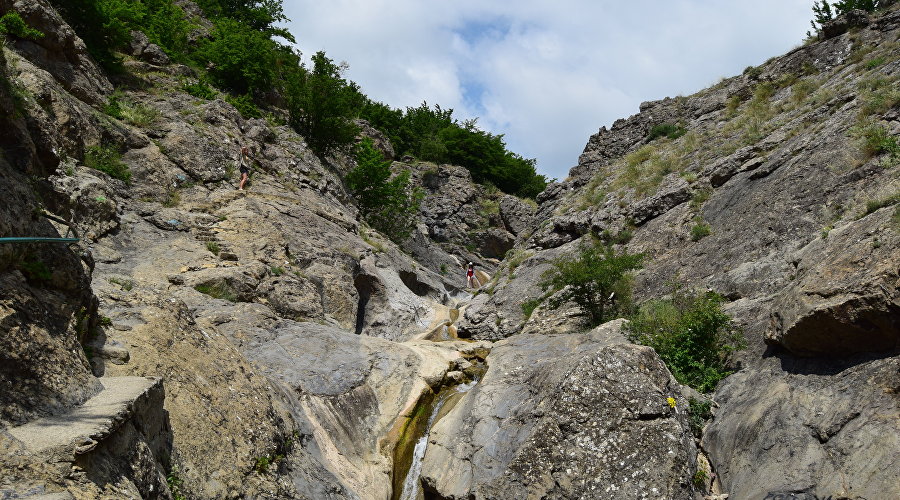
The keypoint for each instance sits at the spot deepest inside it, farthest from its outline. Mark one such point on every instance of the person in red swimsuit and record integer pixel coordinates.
(471, 280)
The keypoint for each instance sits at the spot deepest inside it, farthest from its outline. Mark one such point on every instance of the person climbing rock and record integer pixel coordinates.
(244, 162)
(471, 280)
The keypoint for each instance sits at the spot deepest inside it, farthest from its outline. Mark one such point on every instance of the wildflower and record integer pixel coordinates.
(671, 402)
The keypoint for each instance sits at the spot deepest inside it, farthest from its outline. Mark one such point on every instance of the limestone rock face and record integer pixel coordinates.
(568, 416)
(46, 304)
(349, 390)
(379, 140)
(835, 419)
(846, 297)
(517, 215)
(463, 218)
(60, 51)
(797, 227)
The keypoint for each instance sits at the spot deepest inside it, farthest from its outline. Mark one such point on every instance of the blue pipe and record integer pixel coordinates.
(38, 240)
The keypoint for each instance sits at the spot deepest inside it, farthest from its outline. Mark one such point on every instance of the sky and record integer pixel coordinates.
(545, 74)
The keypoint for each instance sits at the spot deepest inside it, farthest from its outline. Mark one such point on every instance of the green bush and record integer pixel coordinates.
(666, 130)
(12, 24)
(176, 484)
(877, 140)
(529, 306)
(219, 290)
(597, 279)
(432, 134)
(691, 334)
(875, 62)
(36, 271)
(878, 204)
(107, 160)
(118, 106)
(698, 413)
(388, 204)
(200, 89)
(245, 106)
(700, 230)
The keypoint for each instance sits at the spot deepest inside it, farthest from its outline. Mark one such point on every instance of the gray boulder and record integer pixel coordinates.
(565, 416)
(517, 215)
(845, 298)
(141, 48)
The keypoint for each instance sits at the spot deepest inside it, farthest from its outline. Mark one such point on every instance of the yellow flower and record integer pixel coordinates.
(671, 402)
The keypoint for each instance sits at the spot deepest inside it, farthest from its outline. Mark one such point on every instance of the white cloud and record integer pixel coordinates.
(545, 74)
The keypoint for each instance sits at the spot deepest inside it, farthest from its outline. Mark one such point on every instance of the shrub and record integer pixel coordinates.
(12, 24)
(698, 413)
(803, 89)
(596, 279)
(529, 306)
(107, 160)
(245, 105)
(432, 134)
(200, 89)
(134, 113)
(176, 484)
(213, 247)
(874, 205)
(388, 204)
(645, 168)
(666, 130)
(36, 271)
(691, 334)
(875, 62)
(700, 230)
(322, 104)
(219, 290)
(877, 140)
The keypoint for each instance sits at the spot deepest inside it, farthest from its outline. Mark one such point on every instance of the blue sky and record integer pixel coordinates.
(545, 74)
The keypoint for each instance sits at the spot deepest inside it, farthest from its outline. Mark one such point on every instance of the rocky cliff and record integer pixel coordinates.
(204, 342)
(779, 189)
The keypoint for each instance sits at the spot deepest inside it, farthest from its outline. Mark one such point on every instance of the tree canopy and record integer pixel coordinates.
(245, 54)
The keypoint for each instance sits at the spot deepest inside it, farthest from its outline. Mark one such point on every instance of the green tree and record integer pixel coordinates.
(691, 334)
(322, 105)
(824, 11)
(239, 58)
(388, 203)
(597, 279)
(94, 21)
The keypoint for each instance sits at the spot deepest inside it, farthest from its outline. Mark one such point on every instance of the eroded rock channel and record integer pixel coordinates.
(207, 343)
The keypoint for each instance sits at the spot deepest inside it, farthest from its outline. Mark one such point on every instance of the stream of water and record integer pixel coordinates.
(412, 487)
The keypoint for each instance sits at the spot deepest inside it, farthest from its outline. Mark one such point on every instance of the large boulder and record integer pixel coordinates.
(517, 215)
(807, 428)
(565, 416)
(846, 297)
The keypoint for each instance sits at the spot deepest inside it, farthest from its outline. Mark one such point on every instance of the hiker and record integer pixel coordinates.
(471, 280)
(245, 166)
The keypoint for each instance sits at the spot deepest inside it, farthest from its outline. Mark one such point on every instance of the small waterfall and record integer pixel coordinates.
(412, 486)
